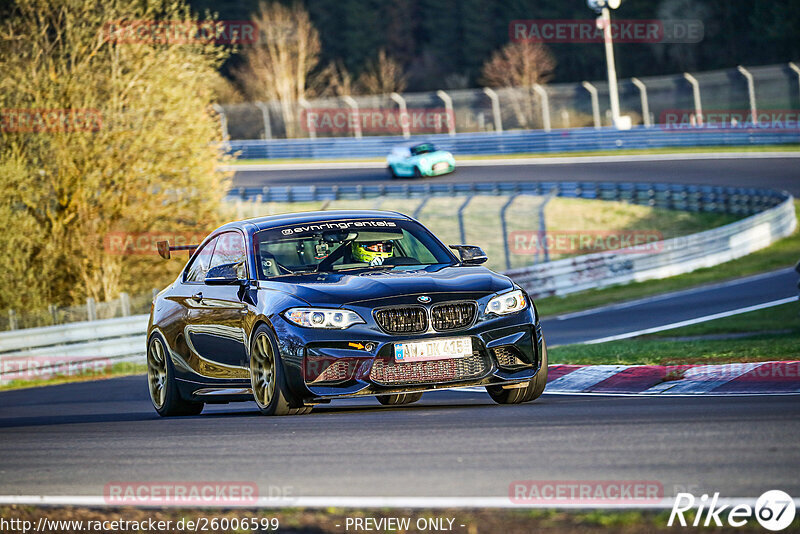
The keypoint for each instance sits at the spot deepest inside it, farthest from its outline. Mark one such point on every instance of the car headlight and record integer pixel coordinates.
(510, 302)
(322, 318)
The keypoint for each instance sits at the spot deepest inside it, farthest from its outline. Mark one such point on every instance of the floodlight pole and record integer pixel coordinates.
(613, 90)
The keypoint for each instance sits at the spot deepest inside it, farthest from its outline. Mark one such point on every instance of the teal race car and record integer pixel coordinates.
(419, 160)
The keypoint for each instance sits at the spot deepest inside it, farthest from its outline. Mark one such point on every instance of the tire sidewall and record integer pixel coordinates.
(279, 403)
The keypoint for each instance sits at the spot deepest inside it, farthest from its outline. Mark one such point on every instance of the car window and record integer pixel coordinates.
(347, 244)
(422, 149)
(196, 272)
(230, 250)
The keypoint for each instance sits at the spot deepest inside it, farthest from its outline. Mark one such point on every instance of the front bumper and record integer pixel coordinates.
(359, 361)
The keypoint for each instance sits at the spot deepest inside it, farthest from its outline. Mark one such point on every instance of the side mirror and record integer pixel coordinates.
(221, 275)
(470, 254)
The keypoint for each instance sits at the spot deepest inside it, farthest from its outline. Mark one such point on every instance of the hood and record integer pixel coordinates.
(339, 288)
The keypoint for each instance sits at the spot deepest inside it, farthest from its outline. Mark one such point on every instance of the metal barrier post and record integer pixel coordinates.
(125, 304)
(751, 92)
(401, 103)
(448, 107)
(312, 128)
(421, 206)
(645, 104)
(543, 226)
(698, 105)
(498, 121)
(12, 320)
(223, 122)
(91, 309)
(461, 209)
(595, 103)
(265, 115)
(504, 227)
(545, 106)
(350, 101)
(796, 69)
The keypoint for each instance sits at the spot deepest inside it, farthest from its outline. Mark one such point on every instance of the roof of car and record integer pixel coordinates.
(272, 221)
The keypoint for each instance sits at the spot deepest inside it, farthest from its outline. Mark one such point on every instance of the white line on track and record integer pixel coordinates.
(363, 502)
(688, 322)
(491, 162)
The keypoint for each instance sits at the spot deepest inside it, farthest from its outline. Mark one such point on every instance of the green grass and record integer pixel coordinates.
(584, 153)
(117, 369)
(651, 350)
(783, 253)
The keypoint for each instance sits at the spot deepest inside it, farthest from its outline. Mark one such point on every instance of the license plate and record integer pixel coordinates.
(433, 349)
(441, 165)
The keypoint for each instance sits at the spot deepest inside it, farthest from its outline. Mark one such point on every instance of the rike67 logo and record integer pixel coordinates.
(774, 510)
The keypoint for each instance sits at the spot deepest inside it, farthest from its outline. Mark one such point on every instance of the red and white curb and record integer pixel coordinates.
(779, 377)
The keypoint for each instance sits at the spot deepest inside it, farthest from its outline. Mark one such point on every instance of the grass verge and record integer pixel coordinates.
(761, 344)
(577, 154)
(117, 369)
(783, 253)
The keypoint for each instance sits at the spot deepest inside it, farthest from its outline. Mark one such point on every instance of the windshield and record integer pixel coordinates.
(422, 149)
(326, 246)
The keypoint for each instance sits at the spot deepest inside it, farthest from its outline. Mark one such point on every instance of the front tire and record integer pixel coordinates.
(267, 378)
(417, 172)
(164, 392)
(398, 398)
(391, 173)
(532, 391)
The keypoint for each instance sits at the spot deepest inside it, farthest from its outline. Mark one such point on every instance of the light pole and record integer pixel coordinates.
(603, 8)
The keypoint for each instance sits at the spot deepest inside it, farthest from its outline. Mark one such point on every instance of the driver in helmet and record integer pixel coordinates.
(372, 252)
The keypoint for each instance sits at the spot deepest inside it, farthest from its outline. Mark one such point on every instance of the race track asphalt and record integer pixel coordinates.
(773, 172)
(74, 439)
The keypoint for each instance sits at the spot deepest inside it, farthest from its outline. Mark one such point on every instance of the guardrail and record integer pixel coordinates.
(515, 142)
(772, 217)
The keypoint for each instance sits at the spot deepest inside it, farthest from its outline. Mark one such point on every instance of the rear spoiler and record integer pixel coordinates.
(164, 249)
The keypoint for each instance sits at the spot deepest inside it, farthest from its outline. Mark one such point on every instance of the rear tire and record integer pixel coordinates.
(391, 173)
(267, 378)
(164, 392)
(417, 172)
(399, 398)
(532, 391)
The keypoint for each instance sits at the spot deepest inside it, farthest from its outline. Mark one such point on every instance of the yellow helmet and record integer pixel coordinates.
(369, 252)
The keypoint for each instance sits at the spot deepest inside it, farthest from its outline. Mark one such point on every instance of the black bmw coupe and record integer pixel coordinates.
(295, 310)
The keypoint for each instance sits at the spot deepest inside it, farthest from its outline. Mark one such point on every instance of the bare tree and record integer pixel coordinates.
(278, 65)
(520, 65)
(333, 80)
(383, 75)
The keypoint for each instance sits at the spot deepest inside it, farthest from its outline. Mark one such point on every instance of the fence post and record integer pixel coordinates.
(448, 107)
(461, 209)
(543, 227)
(504, 227)
(350, 101)
(698, 104)
(12, 320)
(223, 123)
(498, 121)
(312, 129)
(265, 115)
(796, 69)
(53, 309)
(125, 304)
(401, 103)
(91, 309)
(595, 103)
(421, 207)
(645, 104)
(545, 106)
(751, 92)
